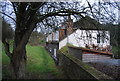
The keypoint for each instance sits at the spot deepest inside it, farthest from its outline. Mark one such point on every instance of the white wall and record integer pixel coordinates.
(55, 36)
(55, 53)
(79, 39)
(62, 43)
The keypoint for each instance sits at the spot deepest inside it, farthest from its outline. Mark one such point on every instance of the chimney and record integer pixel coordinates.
(69, 18)
(70, 25)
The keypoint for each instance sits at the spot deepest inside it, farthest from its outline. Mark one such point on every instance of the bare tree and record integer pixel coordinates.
(8, 34)
(27, 17)
(45, 14)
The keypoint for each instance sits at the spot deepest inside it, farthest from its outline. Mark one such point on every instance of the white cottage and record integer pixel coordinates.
(86, 32)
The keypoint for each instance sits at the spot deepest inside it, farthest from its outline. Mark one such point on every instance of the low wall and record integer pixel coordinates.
(76, 69)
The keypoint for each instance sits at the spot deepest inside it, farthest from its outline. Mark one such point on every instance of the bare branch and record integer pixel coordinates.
(14, 7)
(59, 13)
(8, 16)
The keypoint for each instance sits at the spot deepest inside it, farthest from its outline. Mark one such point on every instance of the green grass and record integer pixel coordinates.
(5, 64)
(64, 49)
(39, 61)
(39, 64)
(5, 59)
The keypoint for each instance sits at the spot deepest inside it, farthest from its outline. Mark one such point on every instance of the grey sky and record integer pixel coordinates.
(82, 2)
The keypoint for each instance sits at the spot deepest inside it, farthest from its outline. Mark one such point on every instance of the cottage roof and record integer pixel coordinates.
(87, 23)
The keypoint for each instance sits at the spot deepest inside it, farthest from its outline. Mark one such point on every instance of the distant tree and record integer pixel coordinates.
(36, 38)
(118, 42)
(7, 31)
(7, 34)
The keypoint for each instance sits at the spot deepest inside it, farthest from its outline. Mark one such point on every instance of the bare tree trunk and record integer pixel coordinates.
(19, 63)
(19, 56)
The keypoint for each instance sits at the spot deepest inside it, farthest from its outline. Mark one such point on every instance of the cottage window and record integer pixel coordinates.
(103, 37)
(90, 36)
(98, 38)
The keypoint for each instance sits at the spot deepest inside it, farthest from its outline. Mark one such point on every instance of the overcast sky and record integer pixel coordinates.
(82, 2)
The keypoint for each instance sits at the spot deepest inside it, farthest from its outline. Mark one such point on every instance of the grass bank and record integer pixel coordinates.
(39, 64)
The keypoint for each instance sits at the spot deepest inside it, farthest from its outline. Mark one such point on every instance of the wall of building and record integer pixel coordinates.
(62, 33)
(88, 55)
(63, 43)
(79, 38)
(54, 36)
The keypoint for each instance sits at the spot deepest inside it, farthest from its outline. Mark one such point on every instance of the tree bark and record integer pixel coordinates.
(19, 57)
(18, 62)
(25, 24)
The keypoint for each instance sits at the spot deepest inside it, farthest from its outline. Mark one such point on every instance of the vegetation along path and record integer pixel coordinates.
(39, 65)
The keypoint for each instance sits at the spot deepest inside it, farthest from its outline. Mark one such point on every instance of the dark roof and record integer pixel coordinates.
(87, 23)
